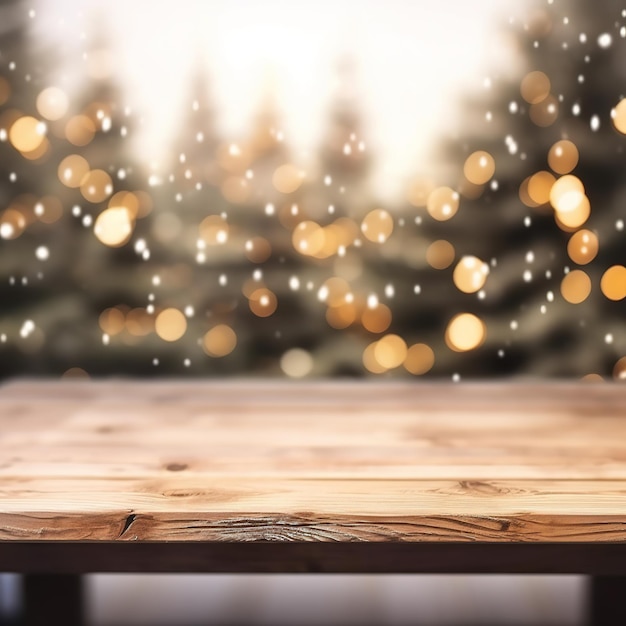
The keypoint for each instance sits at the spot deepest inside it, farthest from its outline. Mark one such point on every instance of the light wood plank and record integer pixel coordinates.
(260, 460)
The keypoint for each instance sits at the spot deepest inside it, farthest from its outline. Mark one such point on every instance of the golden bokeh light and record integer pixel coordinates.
(80, 130)
(139, 322)
(38, 153)
(535, 87)
(443, 203)
(258, 249)
(112, 321)
(287, 178)
(308, 238)
(12, 224)
(576, 287)
(296, 363)
(524, 196)
(52, 103)
(470, 274)
(613, 283)
(114, 226)
(545, 112)
(170, 324)
(341, 316)
(376, 319)
(618, 115)
(263, 302)
(390, 351)
(563, 157)
(214, 230)
(72, 170)
(465, 332)
(128, 200)
(567, 193)
(479, 167)
(440, 254)
(583, 247)
(539, 186)
(96, 186)
(573, 219)
(27, 134)
(619, 370)
(369, 360)
(377, 225)
(220, 341)
(420, 359)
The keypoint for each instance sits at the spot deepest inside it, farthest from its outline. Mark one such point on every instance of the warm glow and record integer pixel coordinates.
(539, 186)
(52, 103)
(420, 359)
(308, 238)
(479, 167)
(376, 319)
(296, 363)
(470, 274)
(377, 225)
(465, 332)
(214, 230)
(613, 283)
(72, 170)
(27, 134)
(113, 226)
(576, 287)
(563, 157)
(287, 178)
(390, 351)
(96, 186)
(619, 371)
(443, 203)
(535, 87)
(440, 254)
(262, 302)
(583, 247)
(170, 325)
(618, 114)
(399, 47)
(220, 341)
(80, 130)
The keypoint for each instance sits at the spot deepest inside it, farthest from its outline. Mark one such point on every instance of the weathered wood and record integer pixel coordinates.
(320, 462)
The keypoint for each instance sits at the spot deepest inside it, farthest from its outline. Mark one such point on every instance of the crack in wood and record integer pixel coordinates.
(127, 524)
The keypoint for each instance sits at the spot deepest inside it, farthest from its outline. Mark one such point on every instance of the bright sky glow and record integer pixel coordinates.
(413, 58)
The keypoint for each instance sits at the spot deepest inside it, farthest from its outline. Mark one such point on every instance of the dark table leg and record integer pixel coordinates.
(607, 602)
(52, 599)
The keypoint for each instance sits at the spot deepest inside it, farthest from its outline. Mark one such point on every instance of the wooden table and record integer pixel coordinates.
(266, 476)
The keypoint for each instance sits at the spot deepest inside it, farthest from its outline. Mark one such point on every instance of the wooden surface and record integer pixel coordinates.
(245, 461)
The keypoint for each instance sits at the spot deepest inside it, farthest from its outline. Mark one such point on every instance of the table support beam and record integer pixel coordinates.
(53, 599)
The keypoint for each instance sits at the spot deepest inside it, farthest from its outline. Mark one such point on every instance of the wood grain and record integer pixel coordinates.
(250, 461)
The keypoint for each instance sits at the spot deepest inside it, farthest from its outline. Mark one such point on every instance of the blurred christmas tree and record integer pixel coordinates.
(241, 256)
(555, 201)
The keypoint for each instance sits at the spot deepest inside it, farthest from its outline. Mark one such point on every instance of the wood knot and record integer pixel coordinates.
(176, 467)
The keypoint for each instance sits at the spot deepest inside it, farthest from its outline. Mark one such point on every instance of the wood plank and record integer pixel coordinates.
(317, 462)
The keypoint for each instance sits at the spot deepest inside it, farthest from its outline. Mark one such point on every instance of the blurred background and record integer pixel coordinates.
(314, 189)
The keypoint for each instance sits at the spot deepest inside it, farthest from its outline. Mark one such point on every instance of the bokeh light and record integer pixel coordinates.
(576, 287)
(465, 332)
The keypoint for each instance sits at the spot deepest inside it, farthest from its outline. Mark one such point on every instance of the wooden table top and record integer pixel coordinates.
(269, 461)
